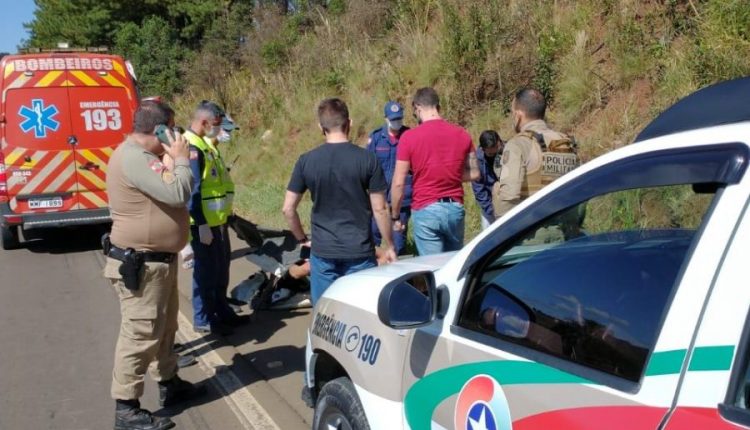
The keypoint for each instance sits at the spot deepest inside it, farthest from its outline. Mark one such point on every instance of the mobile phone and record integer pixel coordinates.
(304, 253)
(161, 133)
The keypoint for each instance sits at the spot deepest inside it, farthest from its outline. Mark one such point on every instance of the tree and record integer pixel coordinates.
(221, 53)
(156, 54)
(78, 22)
(156, 35)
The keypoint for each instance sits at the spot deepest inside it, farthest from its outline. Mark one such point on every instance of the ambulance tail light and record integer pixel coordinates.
(3, 181)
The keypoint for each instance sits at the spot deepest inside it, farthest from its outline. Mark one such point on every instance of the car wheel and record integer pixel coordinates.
(339, 408)
(10, 237)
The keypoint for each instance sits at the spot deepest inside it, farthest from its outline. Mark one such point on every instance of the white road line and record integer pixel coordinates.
(249, 412)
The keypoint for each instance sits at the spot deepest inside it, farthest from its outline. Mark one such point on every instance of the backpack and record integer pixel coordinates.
(559, 156)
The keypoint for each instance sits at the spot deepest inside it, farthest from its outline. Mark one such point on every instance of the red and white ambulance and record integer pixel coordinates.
(61, 116)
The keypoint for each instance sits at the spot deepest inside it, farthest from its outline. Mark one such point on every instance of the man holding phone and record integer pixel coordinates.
(148, 202)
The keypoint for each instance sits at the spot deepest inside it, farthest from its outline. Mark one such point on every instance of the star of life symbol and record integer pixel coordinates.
(481, 417)
(39, 118)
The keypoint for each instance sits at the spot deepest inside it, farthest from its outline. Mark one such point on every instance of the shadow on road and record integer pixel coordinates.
(249, 369)
(64, 240)
(272, 362)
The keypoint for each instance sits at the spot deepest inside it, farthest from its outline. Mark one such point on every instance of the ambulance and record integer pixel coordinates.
(61, 116)
(615, 298)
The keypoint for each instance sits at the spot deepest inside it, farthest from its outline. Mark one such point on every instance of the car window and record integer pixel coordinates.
(590, 284)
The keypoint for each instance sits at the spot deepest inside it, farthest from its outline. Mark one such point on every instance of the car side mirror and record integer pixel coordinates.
(409, 301)
(507, 317)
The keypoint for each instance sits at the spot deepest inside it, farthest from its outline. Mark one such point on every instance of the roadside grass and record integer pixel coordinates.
(578, 89)
(608, 67)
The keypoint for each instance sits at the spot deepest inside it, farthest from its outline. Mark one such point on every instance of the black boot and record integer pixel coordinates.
(176, 390)
(130, 416)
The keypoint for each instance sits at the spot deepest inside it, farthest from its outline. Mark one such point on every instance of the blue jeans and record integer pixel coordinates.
(210, 278)
(438, 228)
(399, 237)
(323, 271)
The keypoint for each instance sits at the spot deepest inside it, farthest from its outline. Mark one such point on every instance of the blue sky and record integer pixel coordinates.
(14, 14)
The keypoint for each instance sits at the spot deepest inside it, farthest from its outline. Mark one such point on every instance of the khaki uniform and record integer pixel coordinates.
(519, 169)
(148, 203)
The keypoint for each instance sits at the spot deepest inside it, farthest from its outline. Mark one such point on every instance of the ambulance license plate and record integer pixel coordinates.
(55, 202)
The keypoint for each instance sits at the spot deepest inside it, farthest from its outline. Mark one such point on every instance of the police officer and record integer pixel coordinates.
(208, 216)
(519, 169)
(149, 226)
(383, 143)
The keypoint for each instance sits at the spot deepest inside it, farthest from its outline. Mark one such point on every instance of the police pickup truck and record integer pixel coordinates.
(615, 298)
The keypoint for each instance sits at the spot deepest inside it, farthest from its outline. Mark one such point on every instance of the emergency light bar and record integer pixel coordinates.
(61, 49)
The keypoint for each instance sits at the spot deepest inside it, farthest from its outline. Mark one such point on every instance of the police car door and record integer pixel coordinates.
(576, 312)
(715, 391)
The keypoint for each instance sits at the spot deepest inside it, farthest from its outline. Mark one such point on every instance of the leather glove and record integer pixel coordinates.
(188, 257)
(205, 235)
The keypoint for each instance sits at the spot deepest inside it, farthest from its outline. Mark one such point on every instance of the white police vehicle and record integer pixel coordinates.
(617, 297)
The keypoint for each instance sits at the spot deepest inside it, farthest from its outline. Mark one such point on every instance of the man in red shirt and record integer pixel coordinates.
(441, 157)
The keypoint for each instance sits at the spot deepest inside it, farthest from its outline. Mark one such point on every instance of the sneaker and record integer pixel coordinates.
(186, 361)
(128, 417)
(218, 329)
(177, 390)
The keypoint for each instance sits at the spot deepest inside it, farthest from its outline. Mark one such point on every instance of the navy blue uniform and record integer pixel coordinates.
(385, 150)
(211, 270)
(483, 187)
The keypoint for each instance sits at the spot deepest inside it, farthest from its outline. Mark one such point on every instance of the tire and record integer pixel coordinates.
(10, 237)
(338, 407)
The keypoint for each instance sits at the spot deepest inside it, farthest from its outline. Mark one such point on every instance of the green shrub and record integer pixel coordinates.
(545, 73)
(274, 54)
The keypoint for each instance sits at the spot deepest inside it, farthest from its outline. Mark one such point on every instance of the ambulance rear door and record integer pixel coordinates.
(101, 113)
(39, 159)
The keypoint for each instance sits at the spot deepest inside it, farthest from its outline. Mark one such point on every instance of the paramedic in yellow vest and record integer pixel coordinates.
(208, 216)
(519, 170)
(227, 127)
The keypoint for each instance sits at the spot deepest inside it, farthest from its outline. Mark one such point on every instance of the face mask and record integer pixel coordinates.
(395, 124)
(213, 132)
(223, 136)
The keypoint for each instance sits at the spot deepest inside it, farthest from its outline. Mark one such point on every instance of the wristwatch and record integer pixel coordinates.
(395, 218)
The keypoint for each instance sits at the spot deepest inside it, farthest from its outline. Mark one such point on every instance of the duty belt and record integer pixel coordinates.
(148, 256)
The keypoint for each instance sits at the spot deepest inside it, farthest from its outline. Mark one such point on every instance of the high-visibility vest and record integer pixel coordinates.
(213, 189)
(226, 178)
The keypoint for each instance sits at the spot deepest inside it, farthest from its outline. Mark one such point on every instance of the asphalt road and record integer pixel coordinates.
(60, 319)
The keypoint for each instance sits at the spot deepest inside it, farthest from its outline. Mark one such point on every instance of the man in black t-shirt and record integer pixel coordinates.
(348, 188)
